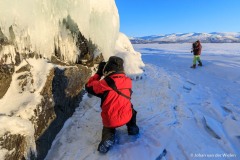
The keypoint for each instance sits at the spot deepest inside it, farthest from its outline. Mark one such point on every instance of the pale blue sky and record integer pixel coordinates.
(151, 17)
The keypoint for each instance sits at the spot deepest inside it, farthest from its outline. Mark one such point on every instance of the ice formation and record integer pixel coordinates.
(33, 25)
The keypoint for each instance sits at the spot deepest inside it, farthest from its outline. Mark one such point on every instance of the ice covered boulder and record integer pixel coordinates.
(40, 97)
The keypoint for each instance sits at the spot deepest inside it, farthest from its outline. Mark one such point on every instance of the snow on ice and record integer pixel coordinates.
(192, 113)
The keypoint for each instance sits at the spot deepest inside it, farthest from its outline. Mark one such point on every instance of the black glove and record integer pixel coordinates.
(100, 68)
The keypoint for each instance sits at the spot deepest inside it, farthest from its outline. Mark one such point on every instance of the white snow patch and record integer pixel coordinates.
(3, 152)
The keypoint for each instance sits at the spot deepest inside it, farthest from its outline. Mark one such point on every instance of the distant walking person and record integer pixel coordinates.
(115, 91)
(196, 49)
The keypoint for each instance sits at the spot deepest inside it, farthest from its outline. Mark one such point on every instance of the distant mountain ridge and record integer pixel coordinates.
(213, 37)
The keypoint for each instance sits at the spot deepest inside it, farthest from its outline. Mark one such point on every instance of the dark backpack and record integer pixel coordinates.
(194, 45)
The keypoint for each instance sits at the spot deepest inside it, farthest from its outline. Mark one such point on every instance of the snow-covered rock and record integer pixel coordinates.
(41, 96)
(36, 37)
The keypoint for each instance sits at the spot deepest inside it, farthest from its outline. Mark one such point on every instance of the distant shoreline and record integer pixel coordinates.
(177, 42)
(214, 37)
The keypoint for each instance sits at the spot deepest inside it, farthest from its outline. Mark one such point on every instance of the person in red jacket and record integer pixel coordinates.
(196, 49)
(115, 91)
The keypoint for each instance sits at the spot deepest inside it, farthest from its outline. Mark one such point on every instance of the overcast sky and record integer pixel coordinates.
(151, 17)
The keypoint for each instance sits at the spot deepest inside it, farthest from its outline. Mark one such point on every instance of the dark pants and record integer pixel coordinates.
(108, 133)
(133, 120)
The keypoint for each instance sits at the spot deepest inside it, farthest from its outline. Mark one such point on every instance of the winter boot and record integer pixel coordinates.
(108, 140)
(131, 125)
(193, 66)
(199, 63)
(104, 146)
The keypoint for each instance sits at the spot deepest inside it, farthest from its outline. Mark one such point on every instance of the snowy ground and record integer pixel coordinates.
(192, 113)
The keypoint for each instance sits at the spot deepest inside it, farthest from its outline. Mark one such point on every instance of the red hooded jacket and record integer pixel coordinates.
(116, 109)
